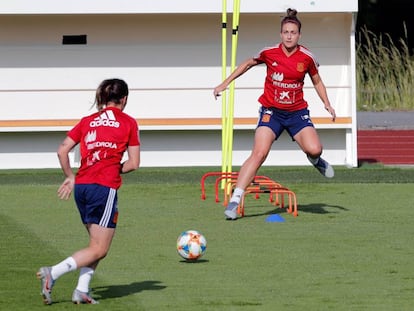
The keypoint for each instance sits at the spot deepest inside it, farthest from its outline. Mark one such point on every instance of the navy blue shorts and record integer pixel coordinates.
(97, 204)
(280, 120)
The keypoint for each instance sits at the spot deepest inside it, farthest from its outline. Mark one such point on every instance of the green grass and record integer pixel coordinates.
(350, 248)
(384, 73)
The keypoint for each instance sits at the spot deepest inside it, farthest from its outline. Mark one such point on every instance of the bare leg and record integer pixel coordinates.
(308, 140)
(100, 240)
(310, 143)
(263, 140)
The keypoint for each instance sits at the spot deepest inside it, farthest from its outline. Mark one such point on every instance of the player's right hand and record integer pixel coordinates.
(66, 188)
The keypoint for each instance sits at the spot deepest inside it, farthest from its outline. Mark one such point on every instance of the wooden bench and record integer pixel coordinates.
(159, 123)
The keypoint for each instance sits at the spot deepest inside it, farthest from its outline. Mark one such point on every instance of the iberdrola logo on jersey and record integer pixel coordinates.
(277, 76)
(106, 118)
(90, 136)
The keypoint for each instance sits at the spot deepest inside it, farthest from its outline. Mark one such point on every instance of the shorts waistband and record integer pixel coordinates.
(283, 112)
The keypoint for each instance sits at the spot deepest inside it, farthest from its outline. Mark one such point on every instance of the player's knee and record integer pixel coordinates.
(314, 151)
(101, 253)
(98, 252)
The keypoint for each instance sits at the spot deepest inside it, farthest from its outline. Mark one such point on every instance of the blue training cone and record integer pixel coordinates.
(275, 218)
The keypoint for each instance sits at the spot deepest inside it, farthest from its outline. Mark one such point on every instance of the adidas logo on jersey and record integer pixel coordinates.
(106, 118)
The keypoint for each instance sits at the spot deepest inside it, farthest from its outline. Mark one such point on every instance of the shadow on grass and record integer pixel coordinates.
(116, 291)
(314, 208)
(319, 208)
(194, 261)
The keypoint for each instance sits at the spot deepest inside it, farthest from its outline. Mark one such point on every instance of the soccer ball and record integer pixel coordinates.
(191, 245)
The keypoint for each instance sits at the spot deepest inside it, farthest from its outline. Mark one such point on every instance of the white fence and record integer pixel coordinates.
(169, 52)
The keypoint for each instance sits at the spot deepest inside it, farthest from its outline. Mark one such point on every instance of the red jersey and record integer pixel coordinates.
(283, 88)
(104, 137)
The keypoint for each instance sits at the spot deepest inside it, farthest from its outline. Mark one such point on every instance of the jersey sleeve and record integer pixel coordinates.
(134, 139)
(259, 57)
(75, 133)
(313, 62)
(313, 67)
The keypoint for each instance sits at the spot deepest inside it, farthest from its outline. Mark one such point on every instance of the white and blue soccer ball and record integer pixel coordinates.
(191, 245)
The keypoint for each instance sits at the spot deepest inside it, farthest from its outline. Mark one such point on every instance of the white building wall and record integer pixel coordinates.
(169, 52)
(169, 6)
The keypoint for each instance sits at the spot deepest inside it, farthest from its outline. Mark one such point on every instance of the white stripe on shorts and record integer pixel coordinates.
(106, 217)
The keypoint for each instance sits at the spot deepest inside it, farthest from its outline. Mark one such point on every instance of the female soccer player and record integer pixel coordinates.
(103, 137)
(282, 104)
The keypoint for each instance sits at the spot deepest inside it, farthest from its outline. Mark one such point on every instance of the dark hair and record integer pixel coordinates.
(110, 90)
(291, 18)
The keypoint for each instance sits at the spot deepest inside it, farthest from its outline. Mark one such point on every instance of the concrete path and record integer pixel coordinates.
(386, 120)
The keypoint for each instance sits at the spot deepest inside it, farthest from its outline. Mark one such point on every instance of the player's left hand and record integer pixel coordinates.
(331, 111)
(218, 90)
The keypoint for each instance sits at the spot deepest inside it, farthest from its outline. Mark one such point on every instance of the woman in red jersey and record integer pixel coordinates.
(104, 137)
(282, 104)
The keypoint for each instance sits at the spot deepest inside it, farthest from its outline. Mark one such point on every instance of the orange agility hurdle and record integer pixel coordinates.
(258, 181)
(221, 174)
(260, 184)
(278, 191)
(263, 184)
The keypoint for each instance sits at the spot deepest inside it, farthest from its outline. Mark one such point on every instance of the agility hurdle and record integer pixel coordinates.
(276, 192)
(257, 181)
(260, 184)
(221, 175)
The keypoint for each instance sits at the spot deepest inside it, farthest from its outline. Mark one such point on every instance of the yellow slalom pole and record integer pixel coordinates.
(235, 29)
(224, 109)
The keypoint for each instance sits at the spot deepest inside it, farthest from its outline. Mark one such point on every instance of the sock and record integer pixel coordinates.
(237, 194)
(85, 278)
(314, 161)
(65, 266)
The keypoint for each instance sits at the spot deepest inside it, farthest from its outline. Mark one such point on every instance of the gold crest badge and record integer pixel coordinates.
(266, 118)
(300, 67)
